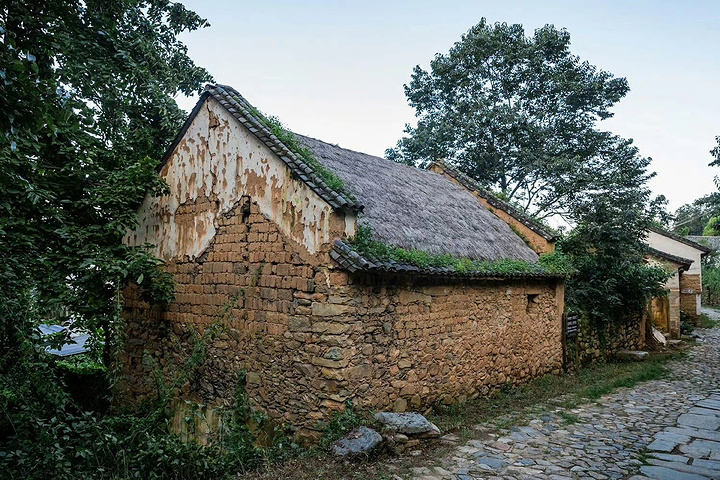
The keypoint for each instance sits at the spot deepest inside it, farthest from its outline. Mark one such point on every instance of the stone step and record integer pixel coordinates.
(632, 355)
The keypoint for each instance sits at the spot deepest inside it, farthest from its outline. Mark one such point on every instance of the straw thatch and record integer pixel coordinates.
(419, 209)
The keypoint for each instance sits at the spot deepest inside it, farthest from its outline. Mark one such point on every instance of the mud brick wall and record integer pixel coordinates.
(310, 337)
(690, 288)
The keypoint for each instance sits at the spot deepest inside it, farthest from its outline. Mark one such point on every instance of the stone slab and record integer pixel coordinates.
(700, 448)
(698, 410)
(663, 473)
(670, 458)
(632, 355)
(708, 464)
(361, 441)
(684, 467)
(711, 404)
(704, 422)
(667, 441)
(695, 433)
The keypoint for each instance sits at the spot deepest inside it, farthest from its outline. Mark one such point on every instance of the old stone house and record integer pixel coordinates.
(665, 310)
(683, 258)
(258, 242)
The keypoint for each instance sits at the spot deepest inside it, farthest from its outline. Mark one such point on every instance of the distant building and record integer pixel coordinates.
(683, 257)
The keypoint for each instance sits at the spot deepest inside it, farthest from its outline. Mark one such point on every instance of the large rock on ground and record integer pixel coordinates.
(408, 424)
(360, 441)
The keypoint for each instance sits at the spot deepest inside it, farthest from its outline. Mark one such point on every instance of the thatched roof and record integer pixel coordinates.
(403, 206)
(418, 209)
(712, 242)
(495, 201)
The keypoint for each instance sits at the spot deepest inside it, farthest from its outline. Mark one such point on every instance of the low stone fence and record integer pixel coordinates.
(594, 343)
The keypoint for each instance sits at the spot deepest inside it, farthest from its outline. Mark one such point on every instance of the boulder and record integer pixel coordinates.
(658, 336)
(360, 441)
(408, 424)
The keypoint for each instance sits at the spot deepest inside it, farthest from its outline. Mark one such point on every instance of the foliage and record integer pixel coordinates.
(289, 139)
(62, 441)
(707, 322)
(711, 284)
(86, 111)
(339, 425)
(518, 114)
(692, 218)
(367, 246)
(613, 281)
(712, 227)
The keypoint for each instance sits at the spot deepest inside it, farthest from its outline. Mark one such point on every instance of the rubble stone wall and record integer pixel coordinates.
(690, 290)
(309, 337)
(595, 343)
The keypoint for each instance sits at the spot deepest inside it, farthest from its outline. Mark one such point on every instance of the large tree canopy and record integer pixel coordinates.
(518, 114)
(86, 111)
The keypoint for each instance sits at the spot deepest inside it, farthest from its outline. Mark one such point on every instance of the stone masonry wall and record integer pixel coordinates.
(595, 344)
(311, 337)
(414, 343)
(690, 288)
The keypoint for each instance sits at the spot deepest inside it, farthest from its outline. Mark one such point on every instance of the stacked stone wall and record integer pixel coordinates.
(309, 337)
(690, 288)
(598, 343)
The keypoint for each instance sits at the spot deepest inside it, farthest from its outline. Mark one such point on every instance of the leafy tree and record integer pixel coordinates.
(713, 227)
(517, 113)
(86, 111)
(608, 250)
(691, 218)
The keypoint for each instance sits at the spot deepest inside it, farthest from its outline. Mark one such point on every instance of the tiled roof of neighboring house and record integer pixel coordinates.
(496, 202)
(681, 239)
(418, 209)
(352, 261)
(239, 108)
(77, 340)
(683, 262)
(712, 242)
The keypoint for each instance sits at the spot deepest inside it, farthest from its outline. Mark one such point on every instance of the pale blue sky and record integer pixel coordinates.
(335, 70)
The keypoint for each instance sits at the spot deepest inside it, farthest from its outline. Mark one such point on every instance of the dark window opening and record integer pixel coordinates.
(532, 299)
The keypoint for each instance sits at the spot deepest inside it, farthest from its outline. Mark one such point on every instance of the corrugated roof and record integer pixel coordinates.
(710, 241)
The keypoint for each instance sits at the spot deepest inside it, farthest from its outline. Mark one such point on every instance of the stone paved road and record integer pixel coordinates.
(664, 429)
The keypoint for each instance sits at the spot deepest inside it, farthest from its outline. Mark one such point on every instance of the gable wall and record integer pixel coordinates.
(217, 161)
(679, 249)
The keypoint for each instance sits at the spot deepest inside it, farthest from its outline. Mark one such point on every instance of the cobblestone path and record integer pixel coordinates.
(658, 429)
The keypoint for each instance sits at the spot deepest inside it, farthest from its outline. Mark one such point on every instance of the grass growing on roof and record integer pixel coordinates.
(290, 141)
(367, 246)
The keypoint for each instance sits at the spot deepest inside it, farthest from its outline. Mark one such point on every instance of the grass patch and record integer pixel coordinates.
(367, 246)
(567, 391)
(707, 322)
(569, 418)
